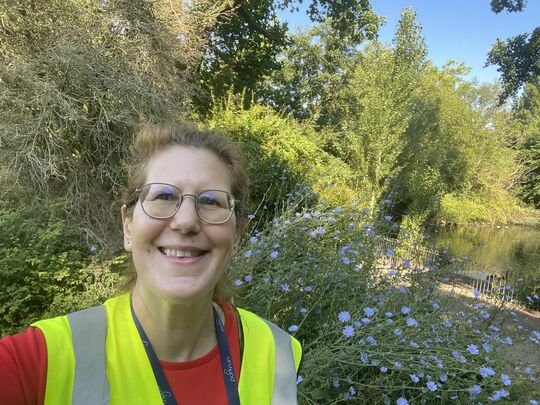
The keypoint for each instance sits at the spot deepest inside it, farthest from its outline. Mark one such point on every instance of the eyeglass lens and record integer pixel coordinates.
(163, 201)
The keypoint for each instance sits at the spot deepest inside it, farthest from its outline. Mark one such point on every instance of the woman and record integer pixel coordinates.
(175, 338)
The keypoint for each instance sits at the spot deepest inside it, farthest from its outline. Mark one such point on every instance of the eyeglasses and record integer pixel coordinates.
(161, 201)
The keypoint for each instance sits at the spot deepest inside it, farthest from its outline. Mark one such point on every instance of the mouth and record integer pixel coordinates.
(182, 253)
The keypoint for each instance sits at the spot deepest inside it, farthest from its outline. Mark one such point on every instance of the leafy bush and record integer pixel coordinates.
(371, 333)
(466, 209)
(284, 157)
(46, 268)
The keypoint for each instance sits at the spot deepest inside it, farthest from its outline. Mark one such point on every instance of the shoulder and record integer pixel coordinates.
(23, 360)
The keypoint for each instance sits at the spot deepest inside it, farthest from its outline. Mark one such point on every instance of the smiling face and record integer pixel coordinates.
(181, 259)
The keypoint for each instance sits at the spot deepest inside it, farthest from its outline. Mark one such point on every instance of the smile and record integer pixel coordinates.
(182, 253)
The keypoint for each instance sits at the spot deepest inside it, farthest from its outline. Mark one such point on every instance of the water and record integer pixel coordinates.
(497, 257)
(495, 250)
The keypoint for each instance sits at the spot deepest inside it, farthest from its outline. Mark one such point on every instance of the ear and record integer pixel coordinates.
(126, 226)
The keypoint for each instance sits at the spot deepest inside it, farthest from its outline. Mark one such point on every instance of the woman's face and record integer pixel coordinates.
(181, 258)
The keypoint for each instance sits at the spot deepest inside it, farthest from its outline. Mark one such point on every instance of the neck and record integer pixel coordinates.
(177, 331)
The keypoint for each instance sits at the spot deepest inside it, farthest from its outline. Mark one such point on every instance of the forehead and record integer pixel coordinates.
(188, 168)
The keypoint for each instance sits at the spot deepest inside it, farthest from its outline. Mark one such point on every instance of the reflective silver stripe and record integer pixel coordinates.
(88, 332)
(284, 372)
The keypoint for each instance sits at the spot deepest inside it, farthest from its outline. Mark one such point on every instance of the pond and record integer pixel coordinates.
(495, 250)
(508, 252)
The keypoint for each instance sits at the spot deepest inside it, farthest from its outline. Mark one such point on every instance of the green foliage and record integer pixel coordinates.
(47, 269)
(457, 142)
(248, 42)
(518, 57)
(39, 255)
(527, 115)
(283, 157)
(468, 209)
(371, 334)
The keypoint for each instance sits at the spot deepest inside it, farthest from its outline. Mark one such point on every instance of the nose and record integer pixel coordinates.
(186, 218)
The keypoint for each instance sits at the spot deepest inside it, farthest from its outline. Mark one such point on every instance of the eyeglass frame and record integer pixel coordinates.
(230, 197)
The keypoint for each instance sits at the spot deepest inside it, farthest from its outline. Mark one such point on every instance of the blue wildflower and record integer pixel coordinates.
(405, 310)
(369, 311)
(93, 249)
(507, 341)
(388, 218)
(397, 332)
(414, 378)
(238, 282)
(299, 379)
(432, 386)
(364, 357)
(248, 253)
(487, 372)
(384, 369)
(390, 252)
(346, 260)
(477, 294)
(473, 349)
(402, 401)
(414, 345)
(475, 389)
(303, 310)
(389, 314)
(348, 331)
(411, 322)
(293, 328)
(371, 340)
(285, 287)
(253, 240)
(365, 321)
(335, 383)
(344, 316)
(506, 380)
(274, 254)
(499, 394)
(533, 402)
(485, 314)
(436, 306)
(308, 288)
(443, 377)
(248, 278)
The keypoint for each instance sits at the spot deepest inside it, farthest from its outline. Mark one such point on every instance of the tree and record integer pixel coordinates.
(518, 57)
(380, 95)
(76, 77)
(246, 45)
(527, 114)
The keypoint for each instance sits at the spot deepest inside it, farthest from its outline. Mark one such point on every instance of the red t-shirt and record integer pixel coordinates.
(23, 369)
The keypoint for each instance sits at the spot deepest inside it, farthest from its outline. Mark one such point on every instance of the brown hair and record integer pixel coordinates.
(153, 138)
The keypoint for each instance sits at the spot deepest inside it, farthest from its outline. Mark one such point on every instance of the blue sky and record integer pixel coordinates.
(460, 30)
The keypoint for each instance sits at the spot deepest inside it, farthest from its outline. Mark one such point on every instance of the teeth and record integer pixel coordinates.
(182, 253)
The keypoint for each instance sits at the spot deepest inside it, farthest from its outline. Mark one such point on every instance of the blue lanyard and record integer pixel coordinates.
(165, 390)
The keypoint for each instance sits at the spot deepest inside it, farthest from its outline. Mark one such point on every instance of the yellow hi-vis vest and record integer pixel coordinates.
(96, 356)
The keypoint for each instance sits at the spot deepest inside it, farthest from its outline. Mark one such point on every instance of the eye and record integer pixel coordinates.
(159, 192)
(213, 199)
(165, 197)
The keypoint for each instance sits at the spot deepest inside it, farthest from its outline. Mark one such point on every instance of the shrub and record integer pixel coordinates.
(370, 333)
(283, 156)
(46, 267)
(466, 209)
